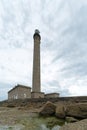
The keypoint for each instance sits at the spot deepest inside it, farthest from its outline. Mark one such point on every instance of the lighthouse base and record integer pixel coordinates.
(37, 95)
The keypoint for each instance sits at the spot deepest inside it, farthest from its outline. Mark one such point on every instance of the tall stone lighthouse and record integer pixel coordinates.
(36, 79)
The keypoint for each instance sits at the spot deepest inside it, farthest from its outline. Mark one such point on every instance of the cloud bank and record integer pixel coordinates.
(63, 30)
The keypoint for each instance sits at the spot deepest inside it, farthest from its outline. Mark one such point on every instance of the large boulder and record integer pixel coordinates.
(80, 125)
(78, 110)
(48, 109)
(60, 111)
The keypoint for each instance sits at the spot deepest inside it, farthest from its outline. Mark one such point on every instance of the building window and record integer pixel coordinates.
(24, 95)
(16, 97)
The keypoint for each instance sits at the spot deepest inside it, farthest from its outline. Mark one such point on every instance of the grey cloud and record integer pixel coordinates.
(13, 33)
(54, 86)
(65, 93)
(75, 70)
(63, 32)
(74, 47)
(71, 48)
(4, 88)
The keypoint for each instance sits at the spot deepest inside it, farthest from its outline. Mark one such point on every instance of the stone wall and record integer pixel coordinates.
(40, 101)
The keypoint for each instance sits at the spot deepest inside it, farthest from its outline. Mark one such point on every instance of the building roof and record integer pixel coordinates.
(19, 85)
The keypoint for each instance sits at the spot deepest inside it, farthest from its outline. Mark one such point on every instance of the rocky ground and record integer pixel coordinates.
(74, 112)
(80, 125)
(64, 110)
(71, 112)
(11, 116)
(20, 118)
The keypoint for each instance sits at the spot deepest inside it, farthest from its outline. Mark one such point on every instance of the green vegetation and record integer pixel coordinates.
(36, 123)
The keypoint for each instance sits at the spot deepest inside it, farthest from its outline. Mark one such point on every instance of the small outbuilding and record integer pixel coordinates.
(19, 92)
(52, 95)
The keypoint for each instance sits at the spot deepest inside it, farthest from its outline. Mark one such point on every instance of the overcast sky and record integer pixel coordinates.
(63, 29)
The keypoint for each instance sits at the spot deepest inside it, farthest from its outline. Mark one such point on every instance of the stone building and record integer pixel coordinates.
(51, 95)
(19, 92)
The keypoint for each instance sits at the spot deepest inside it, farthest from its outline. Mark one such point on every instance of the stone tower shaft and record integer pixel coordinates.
(36, 83)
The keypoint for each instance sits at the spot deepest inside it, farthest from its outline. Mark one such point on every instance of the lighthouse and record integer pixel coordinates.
(36, 76)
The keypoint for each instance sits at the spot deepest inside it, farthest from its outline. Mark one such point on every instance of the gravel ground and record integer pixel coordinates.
(10, 116)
